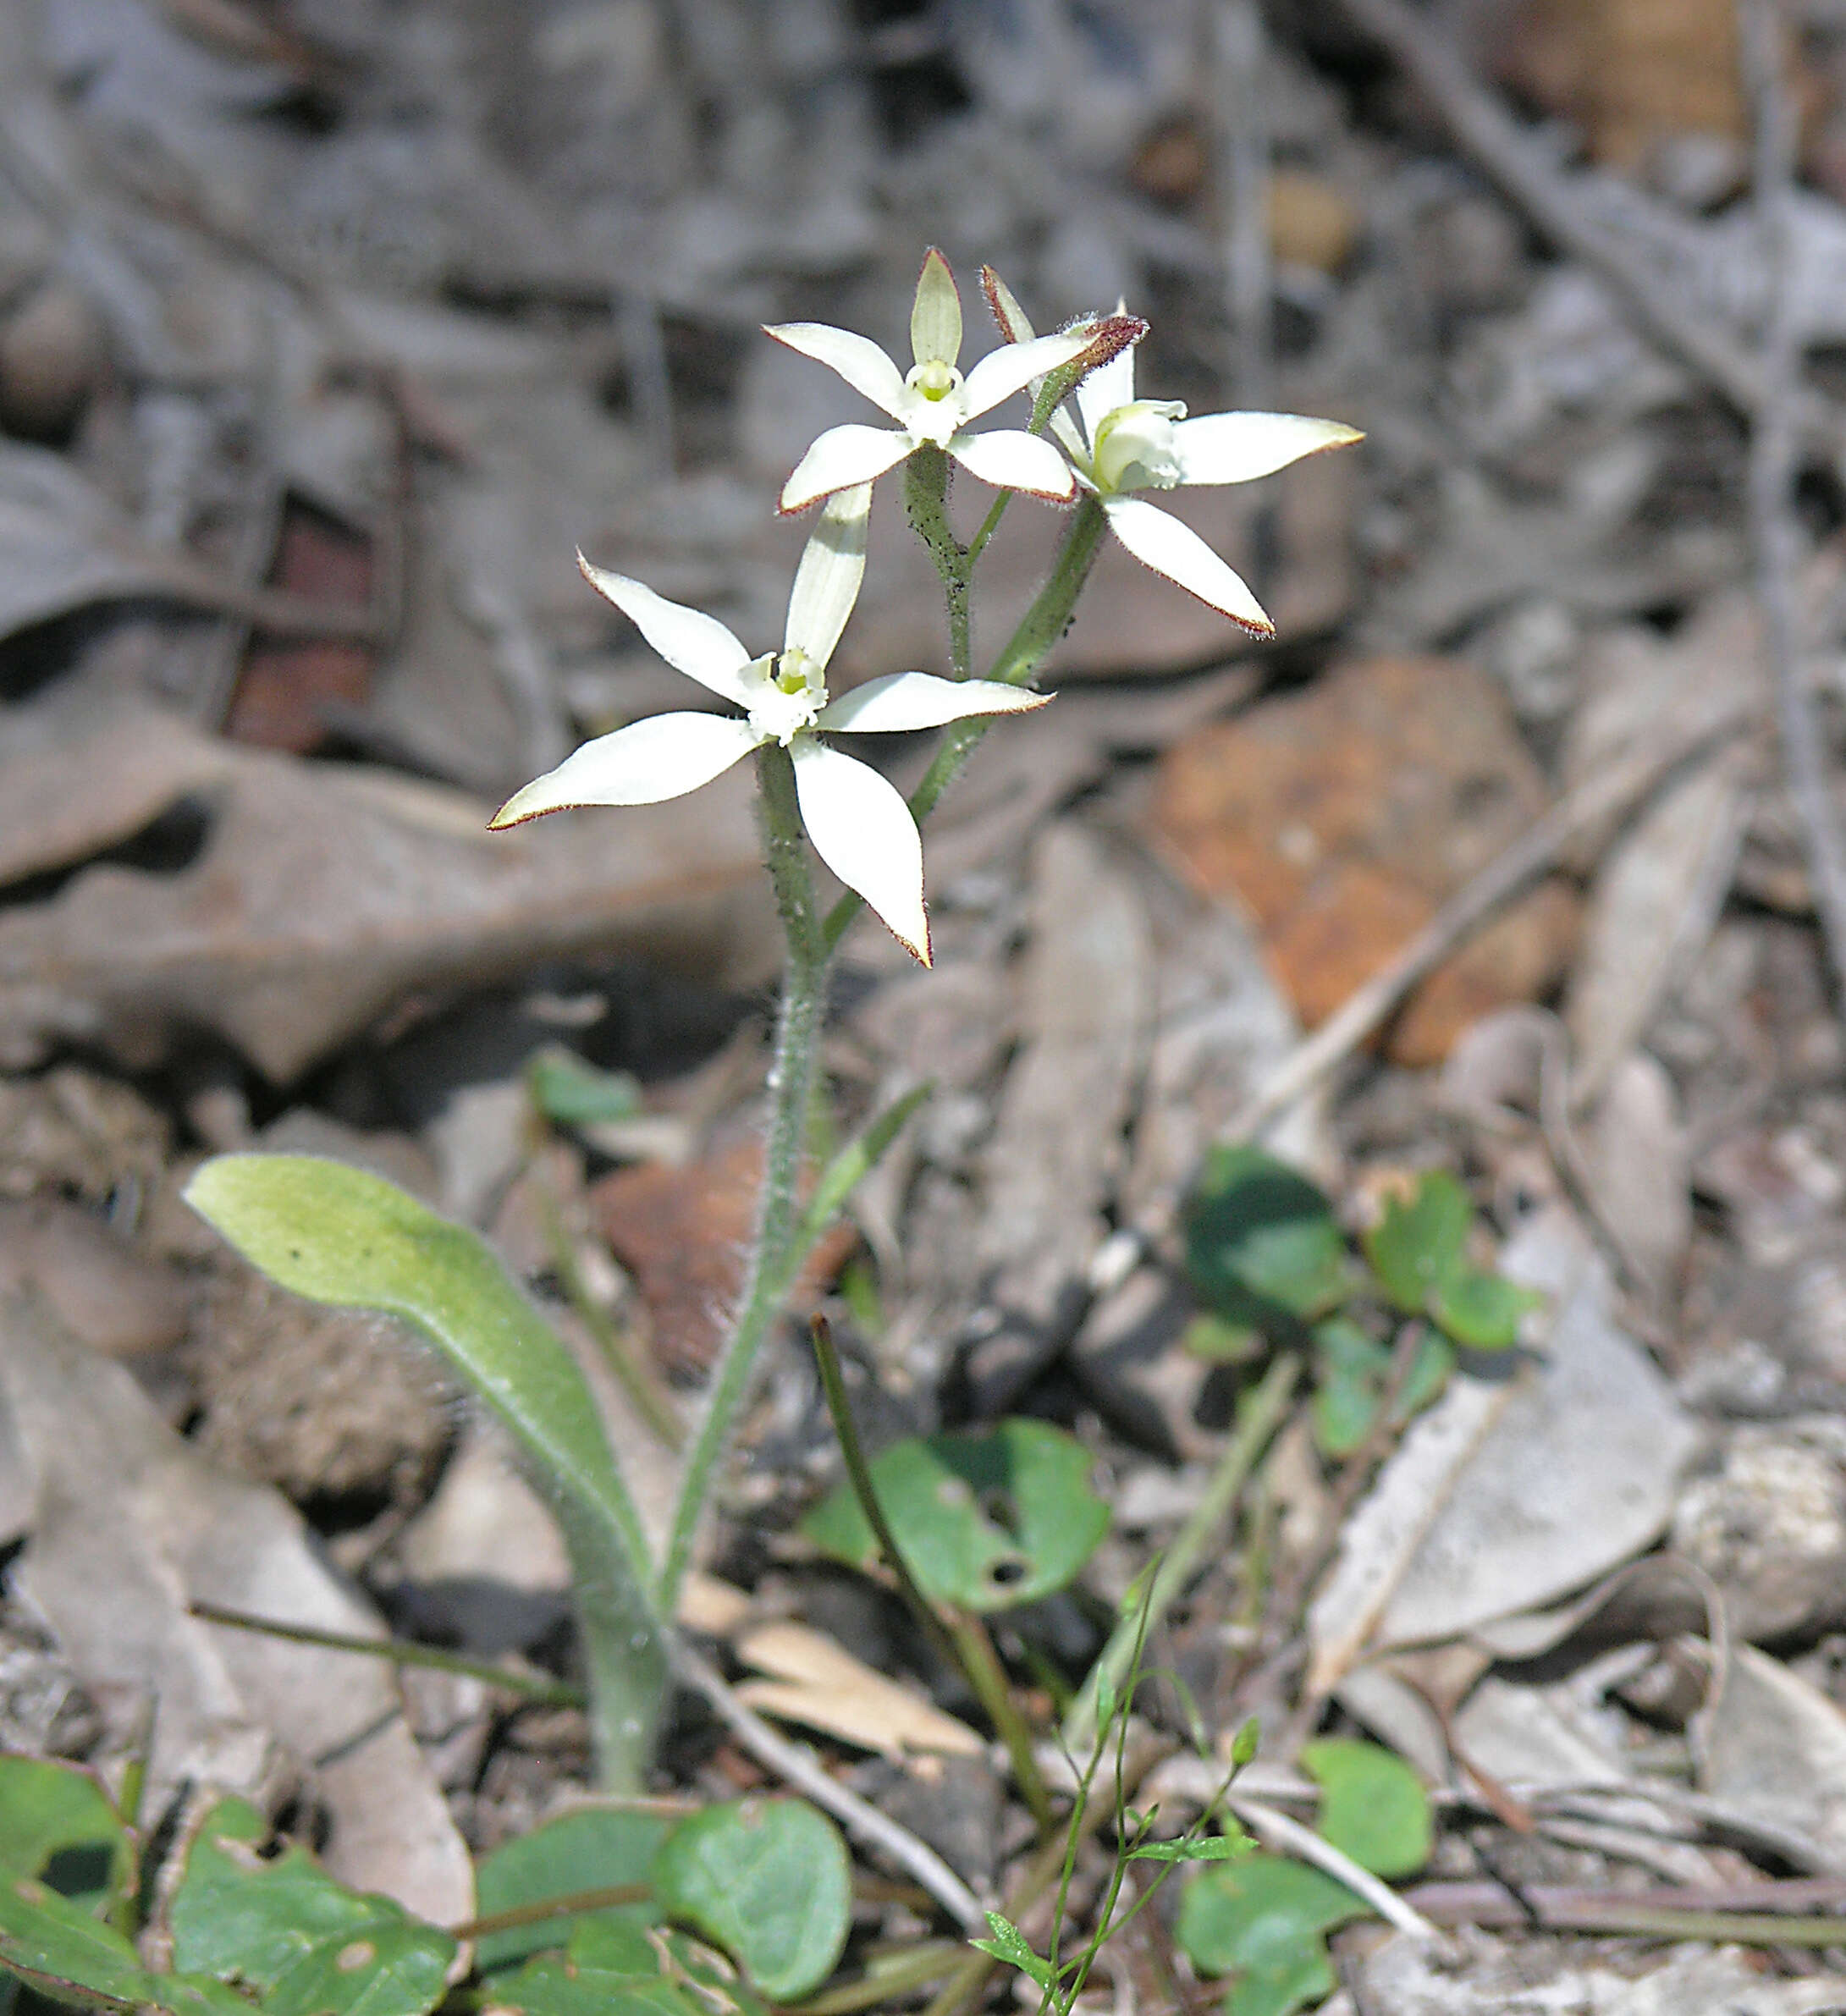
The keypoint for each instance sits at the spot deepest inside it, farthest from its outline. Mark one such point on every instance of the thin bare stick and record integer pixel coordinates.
(1774, 461)
(1497, 144)
(1605, 795)
(792, 1764)
(1288, 1836)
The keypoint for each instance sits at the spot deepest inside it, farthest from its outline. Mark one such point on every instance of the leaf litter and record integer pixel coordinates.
(237, 298)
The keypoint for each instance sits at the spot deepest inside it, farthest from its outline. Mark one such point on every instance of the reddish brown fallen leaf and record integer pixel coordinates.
(682, 1232)
(285, 689)
(1344, 815)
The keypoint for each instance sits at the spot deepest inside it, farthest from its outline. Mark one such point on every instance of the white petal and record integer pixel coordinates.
(1160, 541)
(841, 458)
(1109, 386)
(901, 701)
(827, 580)
(1237, 448)
(1012, 460)
(689, 640)
(1002, 372)
(935, 313)
(862, 829)
(663, 756)
(857, 358)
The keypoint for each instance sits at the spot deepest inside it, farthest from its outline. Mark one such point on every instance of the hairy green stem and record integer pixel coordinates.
(772, 1259)
(1259, 1414)
(1039, 629)
(977, 1658)
(926, 499)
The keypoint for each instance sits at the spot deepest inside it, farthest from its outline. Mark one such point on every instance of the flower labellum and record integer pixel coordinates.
(858, 823)
(1118, 444)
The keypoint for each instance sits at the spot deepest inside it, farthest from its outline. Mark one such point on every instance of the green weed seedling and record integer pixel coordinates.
(1268, 1261)
(1260, 1923)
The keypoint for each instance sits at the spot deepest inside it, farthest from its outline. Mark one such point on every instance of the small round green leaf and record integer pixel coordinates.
(1482, 1310)
(571, 1091)
(767, 1880)
(987, 1521)
(1262, 1246)
(1372, 1806)
(1261, 1921)
(58, 1823)
(594, 1848)
(611, 1967)
(1417, 1244)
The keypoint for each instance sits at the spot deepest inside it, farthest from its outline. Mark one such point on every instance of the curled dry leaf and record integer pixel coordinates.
(317, 897)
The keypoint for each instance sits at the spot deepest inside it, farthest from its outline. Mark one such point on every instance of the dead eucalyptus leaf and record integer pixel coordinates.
(1775, 1747)
(1655, 900)
(321, 895)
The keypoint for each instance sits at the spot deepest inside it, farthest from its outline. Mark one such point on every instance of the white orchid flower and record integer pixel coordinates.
(1119, 444)
(858, 823)
(933, 403)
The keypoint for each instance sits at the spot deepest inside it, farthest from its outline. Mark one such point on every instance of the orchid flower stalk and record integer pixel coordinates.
(352, 1241)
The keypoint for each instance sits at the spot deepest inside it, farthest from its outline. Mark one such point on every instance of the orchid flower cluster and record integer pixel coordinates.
(1100, 455)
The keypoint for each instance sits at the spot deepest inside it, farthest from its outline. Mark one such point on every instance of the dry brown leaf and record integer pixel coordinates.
(819, 1684)
(64, 546)
(129, 1525)
(1344, 816)
(1055, 1153)
(321, 896)
(1655, 898)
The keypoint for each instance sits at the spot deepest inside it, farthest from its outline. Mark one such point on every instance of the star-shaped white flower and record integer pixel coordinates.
(1119, 444)
(933, 403)
(858, 823)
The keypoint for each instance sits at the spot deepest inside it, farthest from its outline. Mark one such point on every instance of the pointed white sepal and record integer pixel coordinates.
(1010, 458)
(935, 313)
(862, 829)
(857, 358)
(840, 459)
(689, 640)
(663, 756)
(1014, 366)
(1237, 448)
(902, 700)
(1160, 541)
(827, 580)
